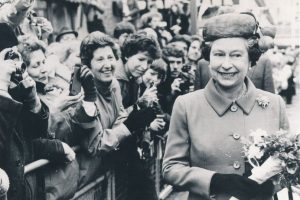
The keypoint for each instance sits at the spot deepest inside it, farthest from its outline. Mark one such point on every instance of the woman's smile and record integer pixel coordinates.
(227, 75)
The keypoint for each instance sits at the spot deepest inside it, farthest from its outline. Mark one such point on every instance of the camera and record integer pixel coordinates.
(16, 76)
(75, 85)
(186, 79)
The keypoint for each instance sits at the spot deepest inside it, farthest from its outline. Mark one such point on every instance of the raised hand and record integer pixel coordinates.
(158, 124)
(175, 87)
(148, 97)
(64, 101)
(87, 80)
(7, 68)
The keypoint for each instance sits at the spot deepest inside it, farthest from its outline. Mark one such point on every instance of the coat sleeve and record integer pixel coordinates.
(9, 115)
(36, 124)
(284, 122)
(268, 77)
(197, 82)
(96, 139)
(176, 166)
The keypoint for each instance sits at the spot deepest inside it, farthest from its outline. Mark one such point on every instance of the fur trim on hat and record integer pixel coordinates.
(230, 25)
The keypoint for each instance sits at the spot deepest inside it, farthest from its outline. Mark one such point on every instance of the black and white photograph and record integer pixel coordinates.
(149, 99)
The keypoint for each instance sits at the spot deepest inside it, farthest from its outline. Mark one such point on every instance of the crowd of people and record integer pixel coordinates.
(111, 95)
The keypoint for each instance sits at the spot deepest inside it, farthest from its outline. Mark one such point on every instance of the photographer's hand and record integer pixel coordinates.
(41, 28)
(7, 68)
(175, 87)
(158, 124)
(25, 92)
(64, 101)
(149, 95)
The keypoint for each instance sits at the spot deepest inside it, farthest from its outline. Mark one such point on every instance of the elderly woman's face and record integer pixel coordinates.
(103, 64)
(37, 69)
(229, 62)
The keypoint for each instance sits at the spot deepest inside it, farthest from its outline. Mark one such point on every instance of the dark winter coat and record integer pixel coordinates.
(18, 128)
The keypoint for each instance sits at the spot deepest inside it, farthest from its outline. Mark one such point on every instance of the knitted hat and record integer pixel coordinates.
(7, 37)
(230, 25)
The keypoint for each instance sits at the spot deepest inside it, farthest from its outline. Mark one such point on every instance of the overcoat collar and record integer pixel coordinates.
(121, 74)
(221, 104)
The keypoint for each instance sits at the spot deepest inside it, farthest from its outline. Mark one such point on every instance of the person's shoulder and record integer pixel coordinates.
(194, 96)
(270, 96)
(202, 63)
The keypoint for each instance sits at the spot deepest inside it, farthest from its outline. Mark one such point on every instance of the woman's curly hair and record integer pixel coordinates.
(139, 42)
(254, 51)
(172, 51)
(29, 44)
(94, 41)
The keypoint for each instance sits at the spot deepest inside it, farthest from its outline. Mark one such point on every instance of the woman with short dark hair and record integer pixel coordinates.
(100, 123)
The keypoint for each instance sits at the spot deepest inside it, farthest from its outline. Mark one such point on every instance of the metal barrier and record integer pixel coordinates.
(110, 178)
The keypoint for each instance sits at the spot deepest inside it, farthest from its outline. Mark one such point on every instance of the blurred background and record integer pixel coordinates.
(79, 14)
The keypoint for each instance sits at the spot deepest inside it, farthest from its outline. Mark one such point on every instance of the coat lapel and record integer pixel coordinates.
(221, 104)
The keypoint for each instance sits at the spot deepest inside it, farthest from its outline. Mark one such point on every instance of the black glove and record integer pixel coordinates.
(238, 186)
(86, 78)
(25, 92)
(139, 119)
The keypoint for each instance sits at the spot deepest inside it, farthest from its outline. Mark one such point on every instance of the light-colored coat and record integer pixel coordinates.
(205, 135)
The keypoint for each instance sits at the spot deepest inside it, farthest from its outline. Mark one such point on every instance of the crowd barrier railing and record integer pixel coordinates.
(110, 178)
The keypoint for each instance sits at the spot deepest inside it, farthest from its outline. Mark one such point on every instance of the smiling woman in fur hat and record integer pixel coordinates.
(204, 150)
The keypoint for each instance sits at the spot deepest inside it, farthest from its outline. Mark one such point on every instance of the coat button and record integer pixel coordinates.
(233, 108)
(236, 165)
(236, 136)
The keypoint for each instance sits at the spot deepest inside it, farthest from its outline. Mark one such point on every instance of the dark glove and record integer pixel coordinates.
(25, 92)
(139, 119)
(238, 186)
(86, 78)
(49, 149)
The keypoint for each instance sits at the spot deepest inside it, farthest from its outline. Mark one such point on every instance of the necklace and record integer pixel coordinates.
(243, 92)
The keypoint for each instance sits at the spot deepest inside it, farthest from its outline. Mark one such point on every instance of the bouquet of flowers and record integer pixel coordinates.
(280, 149)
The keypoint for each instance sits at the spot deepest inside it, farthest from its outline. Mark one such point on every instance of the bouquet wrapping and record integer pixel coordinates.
(274, 156)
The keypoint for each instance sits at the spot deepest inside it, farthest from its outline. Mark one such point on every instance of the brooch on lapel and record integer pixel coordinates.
(263, 101)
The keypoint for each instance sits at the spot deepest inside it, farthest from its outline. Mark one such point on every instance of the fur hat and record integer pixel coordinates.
(7, 37)
(230, 25)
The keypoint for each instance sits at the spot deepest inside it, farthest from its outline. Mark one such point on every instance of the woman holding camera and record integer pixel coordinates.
(23, 119)
(204, 152)
(100, 123)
